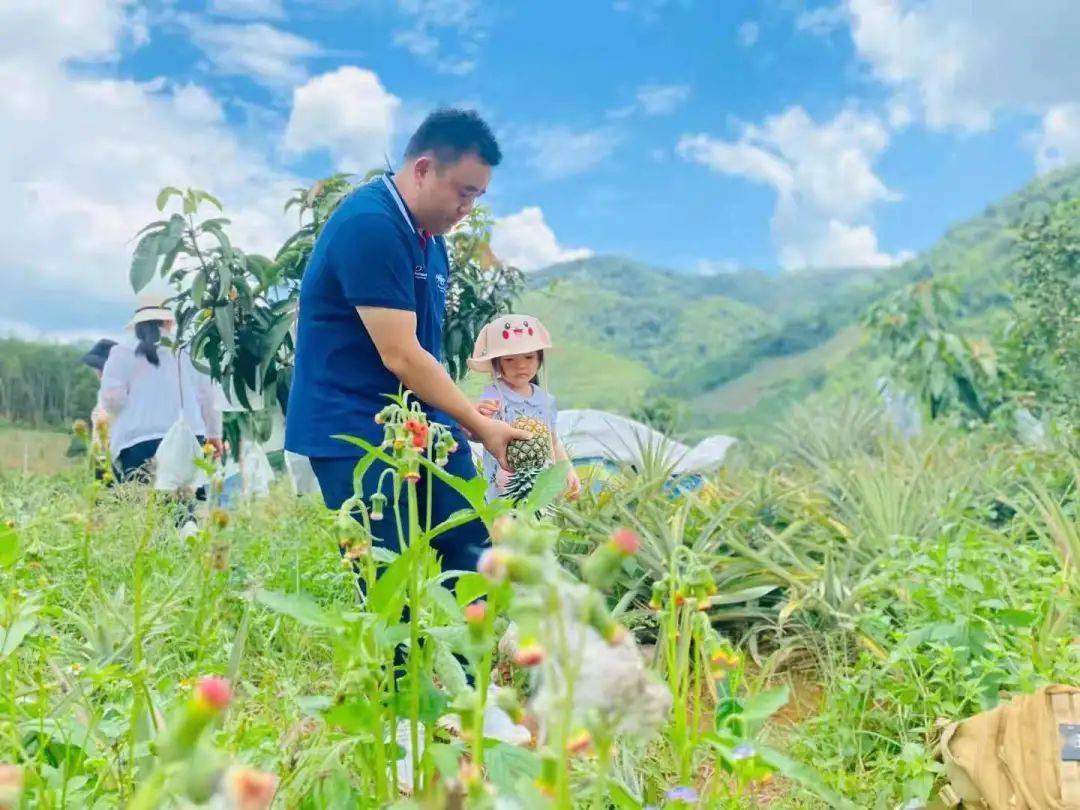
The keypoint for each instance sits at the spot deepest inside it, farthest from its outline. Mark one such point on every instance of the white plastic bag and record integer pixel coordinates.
(301, 475)
(902, 410)
(255, 470)
(175, 467)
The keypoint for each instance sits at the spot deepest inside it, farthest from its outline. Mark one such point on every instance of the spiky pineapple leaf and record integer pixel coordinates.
(548, 486)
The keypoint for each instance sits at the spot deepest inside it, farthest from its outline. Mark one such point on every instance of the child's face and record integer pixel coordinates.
(519, 369)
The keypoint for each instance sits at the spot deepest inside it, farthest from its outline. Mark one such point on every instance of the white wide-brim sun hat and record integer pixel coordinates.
(151, 307)
(506, 335)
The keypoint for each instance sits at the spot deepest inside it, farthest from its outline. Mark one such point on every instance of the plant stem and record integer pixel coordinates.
(414, 634)
(137, 638)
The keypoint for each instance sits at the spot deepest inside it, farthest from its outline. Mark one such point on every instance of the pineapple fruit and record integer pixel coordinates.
(527, 457)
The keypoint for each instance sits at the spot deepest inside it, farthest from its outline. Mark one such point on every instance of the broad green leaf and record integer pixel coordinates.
(210, 198)
(164, 195)
(273, 340)
(444, 599)
(470, 587)
(387, 596)
(764, 705)
(240, 388)
(1011, 617)
(153, 226)
(9, 545)
(447, 759)
(223, 317)
(549, 485)
(170, 259)
(224, 281)
(432, 701)
(804, 775)
(198, 289)
(744, 595)
(353, 716)
(11, 637)
(622, 798)
(298, 606)
(451, 673)
(458, 518)
(144, 261)
(223, 240)
(505, 764)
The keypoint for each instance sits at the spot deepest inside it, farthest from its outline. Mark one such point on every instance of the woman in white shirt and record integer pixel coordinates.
(144, 387)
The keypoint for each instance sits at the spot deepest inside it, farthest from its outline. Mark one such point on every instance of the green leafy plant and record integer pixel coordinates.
(949, 372)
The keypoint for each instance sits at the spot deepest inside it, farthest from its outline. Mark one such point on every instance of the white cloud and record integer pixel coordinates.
(715, 267)
(525, 241)
(27, 331)
(821, 20)
(349, 113)
(900, 115)
(265, 53)
(1057, 142)
(445, 34)
(661, 99)
(248, 9)
(82, 159)
(559, 152)
(749, 32)
(963, 62)
(824, 180)
(76, 29)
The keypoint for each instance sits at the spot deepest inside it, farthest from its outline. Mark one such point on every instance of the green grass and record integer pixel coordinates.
(34, 451)
(893, 583)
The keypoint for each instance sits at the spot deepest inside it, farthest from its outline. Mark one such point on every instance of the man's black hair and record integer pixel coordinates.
(450, 134)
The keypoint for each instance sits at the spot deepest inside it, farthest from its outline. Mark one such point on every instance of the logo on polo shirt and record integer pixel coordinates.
(419, 272)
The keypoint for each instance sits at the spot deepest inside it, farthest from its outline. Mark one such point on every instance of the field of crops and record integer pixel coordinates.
(789, 635)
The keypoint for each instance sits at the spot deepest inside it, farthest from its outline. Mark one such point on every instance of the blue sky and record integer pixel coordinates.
(694, 135)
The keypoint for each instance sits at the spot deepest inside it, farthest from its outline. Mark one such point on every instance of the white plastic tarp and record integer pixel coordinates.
(592, 434)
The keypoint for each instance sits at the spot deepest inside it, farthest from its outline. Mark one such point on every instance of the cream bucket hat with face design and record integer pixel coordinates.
(506, 335)
(151, 307)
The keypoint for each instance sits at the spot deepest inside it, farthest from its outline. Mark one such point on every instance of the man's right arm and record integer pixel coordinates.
(394, 333)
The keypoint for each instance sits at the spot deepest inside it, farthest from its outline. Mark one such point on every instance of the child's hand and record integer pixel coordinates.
(487, 407)
(573, 485)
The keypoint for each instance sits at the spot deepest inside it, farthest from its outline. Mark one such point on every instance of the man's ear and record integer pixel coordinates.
(422, 167)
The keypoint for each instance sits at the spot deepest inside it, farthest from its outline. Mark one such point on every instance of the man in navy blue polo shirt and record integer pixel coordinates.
(370, 320)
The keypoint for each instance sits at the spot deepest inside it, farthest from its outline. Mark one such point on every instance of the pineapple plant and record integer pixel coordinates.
(527, 457)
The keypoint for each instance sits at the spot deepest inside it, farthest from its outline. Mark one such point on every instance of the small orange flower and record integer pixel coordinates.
(579, 742)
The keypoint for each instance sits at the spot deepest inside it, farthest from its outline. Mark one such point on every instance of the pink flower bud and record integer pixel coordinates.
(214, 693)
(529, 654)
(476, 612)
(248, 789)
(492, 564)
(626, 542)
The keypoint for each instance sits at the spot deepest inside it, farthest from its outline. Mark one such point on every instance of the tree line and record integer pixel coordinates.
(44, 383)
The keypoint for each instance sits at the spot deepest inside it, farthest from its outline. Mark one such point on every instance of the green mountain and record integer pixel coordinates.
(738, 348)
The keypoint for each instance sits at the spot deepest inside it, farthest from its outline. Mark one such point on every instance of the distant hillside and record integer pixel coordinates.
(740, 347)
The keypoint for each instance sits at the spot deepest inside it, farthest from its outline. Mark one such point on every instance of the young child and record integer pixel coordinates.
(511, 349)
